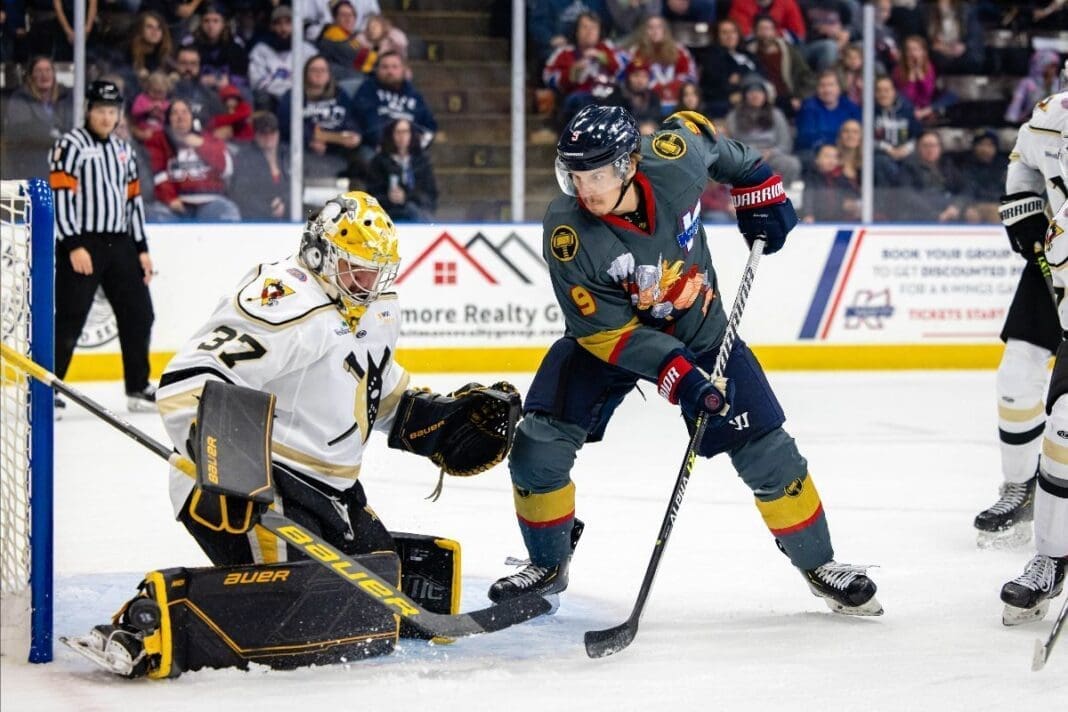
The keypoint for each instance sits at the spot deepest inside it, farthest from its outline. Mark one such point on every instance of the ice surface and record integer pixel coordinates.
(903, 461)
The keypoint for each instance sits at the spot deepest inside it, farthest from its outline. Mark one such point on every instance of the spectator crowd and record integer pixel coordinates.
(207, 86)
(208, 93)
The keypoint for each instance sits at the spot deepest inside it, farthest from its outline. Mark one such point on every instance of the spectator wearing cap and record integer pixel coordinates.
(757, 122)
(190, 171)
(269, 62)
(783, 65)
(982, 172)
(822, 115)
(204, 101)
(36, 115)
(582, 72)
(332, 136)
(222, 60)
(234, 123)
(637, 96)
(388, 95)
(261, 172)
(350, 61)
(669, 63)
(401, 176)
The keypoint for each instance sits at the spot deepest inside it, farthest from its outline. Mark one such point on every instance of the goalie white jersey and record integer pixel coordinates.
(281, 333)
(1035, 162)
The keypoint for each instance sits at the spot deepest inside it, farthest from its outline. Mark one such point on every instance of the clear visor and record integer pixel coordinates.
(595, 181)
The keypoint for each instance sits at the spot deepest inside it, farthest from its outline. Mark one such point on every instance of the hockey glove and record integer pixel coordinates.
(1024, 217)
(682, 382)
(465, 432)
(764, 210)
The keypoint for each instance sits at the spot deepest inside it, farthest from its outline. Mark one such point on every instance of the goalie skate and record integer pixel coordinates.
(112, 648)
(1027, 596)
(1006, 524)
(845, 588)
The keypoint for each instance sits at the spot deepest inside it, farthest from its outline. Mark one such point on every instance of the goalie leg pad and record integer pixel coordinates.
(786, 497)
(283, 616)
(430, 575)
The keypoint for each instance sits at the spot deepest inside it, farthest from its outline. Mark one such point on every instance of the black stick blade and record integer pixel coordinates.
(602, 643)
(508, 613)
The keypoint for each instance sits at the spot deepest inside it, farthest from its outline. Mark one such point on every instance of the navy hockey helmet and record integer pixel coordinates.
(103, 92)
(597, 136)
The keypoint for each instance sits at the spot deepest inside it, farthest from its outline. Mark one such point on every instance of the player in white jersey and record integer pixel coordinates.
(318, 331)
(1027, 596)
(1034, 189)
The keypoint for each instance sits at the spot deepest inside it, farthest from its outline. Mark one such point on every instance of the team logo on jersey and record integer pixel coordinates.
(273, 290)
(294, 272)
(662, 292)
(564, 243)
(669, 146)
(795, 488)
(690, 223)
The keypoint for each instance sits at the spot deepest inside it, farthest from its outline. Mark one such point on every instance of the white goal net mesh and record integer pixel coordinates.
(15, 324)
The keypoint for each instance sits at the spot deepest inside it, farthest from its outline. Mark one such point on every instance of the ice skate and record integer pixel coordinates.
(844, 588)
(1006, 524)
(1027, 596)
(544, 580)
(117, 649)
(143, 401)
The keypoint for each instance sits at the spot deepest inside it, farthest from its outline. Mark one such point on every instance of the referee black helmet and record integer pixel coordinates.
(103, 92)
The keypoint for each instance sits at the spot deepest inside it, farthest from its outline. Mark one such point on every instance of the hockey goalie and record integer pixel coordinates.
(318, 332)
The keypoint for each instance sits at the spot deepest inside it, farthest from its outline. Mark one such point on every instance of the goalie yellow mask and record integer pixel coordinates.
(351, 246)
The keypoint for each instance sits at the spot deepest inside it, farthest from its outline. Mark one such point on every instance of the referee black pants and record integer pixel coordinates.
(117, 269)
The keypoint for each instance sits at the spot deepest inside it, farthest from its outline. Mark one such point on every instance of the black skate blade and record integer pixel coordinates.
(602, 643)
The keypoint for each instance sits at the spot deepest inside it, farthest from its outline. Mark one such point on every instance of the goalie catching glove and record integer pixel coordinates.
(464, 433)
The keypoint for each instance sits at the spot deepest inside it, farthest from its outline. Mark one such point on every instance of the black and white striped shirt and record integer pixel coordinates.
(96, 187)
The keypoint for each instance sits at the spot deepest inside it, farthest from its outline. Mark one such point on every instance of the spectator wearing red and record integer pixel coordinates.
(668, 62)
(190, 171)
(787, 15)
(579, 72)
(782, 64)
(235, 121)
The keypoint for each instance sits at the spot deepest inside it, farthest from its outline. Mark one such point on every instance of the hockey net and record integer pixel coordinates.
(26, 267)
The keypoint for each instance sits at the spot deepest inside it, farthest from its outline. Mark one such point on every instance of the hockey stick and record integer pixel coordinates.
(1043, 650)
(600, 643)
(369, 584)
(1047, 274)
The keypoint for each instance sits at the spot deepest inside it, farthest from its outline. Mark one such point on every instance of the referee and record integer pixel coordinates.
(100, 221)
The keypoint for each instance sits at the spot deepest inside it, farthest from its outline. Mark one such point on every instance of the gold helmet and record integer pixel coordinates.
(351, 246)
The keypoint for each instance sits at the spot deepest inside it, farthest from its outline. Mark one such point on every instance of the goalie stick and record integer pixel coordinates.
(600, 643)
(436, 625)
(1043, 650)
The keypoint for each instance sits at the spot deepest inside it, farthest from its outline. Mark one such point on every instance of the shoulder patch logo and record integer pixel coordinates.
(669, 146)
(564, 243)
(294, 272)
(273, 290)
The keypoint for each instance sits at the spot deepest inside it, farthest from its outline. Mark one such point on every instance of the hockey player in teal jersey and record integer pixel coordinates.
(630, 266)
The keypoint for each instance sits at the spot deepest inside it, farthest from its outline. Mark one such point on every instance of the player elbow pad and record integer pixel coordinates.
(1024, 217)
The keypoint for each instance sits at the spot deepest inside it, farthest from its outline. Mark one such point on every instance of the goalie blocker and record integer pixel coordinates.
(185, 619)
